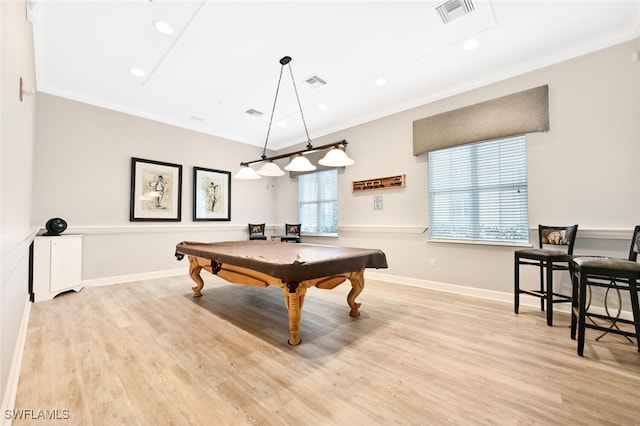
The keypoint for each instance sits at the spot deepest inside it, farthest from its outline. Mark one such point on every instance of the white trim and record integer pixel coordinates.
(498, 296)
(96, 282)
(384, 229)
(480, 242)
(137, 229)
(435, 285)
(11, 389)
(607, 234)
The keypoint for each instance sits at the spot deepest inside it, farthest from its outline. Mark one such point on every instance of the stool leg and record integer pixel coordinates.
(516, 284)
(633, 289)
(542, 285)
(582, 307)
(575, 276)
(549, 293)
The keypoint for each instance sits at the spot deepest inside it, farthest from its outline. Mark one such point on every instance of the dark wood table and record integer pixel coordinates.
(292, 267)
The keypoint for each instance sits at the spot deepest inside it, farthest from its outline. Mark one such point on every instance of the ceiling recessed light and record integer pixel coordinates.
(471, 44)
(163, 27)
(381, 82)
(322, 106)
(138, 72)
(282, 123)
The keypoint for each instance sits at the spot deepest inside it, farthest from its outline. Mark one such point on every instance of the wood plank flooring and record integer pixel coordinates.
(148, 353)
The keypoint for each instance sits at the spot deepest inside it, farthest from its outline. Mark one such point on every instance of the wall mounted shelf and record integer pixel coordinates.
(397, 181)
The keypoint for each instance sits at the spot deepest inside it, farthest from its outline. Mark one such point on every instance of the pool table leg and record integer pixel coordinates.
(194, 273)
(294, 299)
(357, 285)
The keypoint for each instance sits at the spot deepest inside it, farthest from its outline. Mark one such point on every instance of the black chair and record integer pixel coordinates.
(547, 260)
(291, 233)
(604, 272)
(256, 232)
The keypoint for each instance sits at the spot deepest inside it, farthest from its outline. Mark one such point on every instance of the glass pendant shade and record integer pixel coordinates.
(246, 172)
(299, 163)
(336, 157)
(270, 169)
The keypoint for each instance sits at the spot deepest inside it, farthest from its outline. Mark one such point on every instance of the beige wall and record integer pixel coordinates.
(581, 171)
(16, 141)
(83, 163)
(577, 171)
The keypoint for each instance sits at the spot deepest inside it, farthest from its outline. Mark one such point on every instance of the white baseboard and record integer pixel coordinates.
(500, 296)
(133, 277)
(9, 399)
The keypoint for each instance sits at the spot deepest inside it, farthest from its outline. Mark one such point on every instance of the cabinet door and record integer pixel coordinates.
(66, 264)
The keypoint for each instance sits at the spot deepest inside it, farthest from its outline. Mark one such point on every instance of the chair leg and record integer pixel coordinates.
(633, 289)
(549, 265)
(582, 307)
(516, 284)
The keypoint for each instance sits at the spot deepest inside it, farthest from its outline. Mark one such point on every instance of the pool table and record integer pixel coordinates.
(292, 267)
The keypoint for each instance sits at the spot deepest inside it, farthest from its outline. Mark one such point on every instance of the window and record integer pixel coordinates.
(318, 202)
(478, 192)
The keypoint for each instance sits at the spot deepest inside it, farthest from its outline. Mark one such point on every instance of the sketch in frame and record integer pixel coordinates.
(156, 191)
(211, 194)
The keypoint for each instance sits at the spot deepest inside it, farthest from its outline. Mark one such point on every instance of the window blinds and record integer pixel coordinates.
(478, 192)
(318, 202)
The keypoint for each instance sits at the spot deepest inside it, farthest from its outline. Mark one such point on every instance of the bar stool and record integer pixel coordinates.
(291, 233)
(547, 260)
(256, 231)
(617, 274)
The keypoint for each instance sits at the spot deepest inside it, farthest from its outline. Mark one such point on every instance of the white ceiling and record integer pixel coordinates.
(223, 56)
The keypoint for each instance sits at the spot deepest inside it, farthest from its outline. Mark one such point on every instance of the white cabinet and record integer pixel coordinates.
(57, 265)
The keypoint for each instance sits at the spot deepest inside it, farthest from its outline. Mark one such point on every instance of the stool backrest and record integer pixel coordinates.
(256, 228)
(558, 235)
(292, 229)
(635, 244)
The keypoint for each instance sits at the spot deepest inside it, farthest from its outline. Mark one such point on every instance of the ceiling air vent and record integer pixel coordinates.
(451, 10)
(253, 112)
(314, 82)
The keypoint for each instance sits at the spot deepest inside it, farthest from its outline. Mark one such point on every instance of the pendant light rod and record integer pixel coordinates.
(286, 60)
(283, 62)
(309, 148)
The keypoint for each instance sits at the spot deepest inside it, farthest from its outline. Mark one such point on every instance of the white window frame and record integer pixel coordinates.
(478, 193)
(318, 205)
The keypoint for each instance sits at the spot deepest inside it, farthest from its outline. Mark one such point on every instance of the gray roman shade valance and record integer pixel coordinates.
(515, 114)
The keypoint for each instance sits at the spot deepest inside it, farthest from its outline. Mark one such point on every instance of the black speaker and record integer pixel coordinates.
(55, 227)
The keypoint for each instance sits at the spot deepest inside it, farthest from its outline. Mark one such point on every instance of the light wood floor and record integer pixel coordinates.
(147, 353)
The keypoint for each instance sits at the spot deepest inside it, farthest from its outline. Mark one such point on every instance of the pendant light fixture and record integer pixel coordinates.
(335, 157)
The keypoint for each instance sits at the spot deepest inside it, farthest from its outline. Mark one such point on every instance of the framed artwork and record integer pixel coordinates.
(156, 191)
(211, 194)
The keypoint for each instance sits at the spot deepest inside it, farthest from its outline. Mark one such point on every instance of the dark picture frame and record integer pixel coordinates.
(156, 191)
(211, 194)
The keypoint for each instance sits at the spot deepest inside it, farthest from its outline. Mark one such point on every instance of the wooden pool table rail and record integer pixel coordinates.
(294, 292)
(292, 267)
